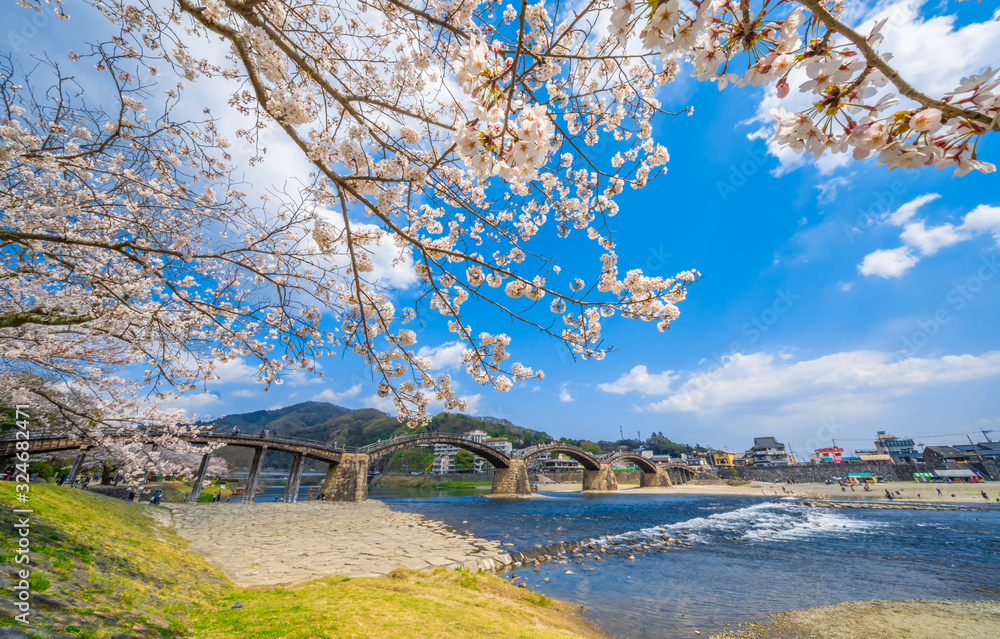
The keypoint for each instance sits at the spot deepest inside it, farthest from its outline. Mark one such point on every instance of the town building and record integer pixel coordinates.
(767, 451)
(444, 454)
(873, 457)
(942, 454)
(559, 464)
(723, 458)
(957, 472)
(695, 459)
(832, 455)
(901, 450)
(987, 451)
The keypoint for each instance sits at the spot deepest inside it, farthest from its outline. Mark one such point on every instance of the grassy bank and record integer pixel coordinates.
(102, 566)
(432, 481)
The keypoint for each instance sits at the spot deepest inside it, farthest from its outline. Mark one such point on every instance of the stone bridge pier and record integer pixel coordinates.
(348, 480)
(512, 480)
(658, 479)
(600, 480)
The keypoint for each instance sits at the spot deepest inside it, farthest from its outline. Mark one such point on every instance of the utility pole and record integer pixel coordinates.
(975, 449)
(987, 436)
(621, 433)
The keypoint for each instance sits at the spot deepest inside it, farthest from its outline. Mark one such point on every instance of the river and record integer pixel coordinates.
(750, 556)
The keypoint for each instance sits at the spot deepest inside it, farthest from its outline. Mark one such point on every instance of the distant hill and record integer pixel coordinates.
(332, 424)
(291, 419)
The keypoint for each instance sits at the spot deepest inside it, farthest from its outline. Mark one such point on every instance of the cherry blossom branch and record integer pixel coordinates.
(876, 61)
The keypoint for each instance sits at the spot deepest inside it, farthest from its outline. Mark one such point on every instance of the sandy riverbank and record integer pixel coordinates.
(265, 544)
(915, 619)
(911, 492)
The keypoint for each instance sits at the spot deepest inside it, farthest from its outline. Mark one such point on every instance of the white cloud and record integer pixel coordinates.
(929, 240)
(192, 403)
(828, 189)
(471, 403)
(902, 215)
(384, 404)
(850, 381)
(640, 380)
(983, 218)
(888, 262)
(235, 370)
(926, 240)
(445, 356)
(929, 51)
(249, 394)
(333, 396)
(932, 53)
(564, 395)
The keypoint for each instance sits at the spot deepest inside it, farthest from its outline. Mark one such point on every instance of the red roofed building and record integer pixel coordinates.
(827, 455)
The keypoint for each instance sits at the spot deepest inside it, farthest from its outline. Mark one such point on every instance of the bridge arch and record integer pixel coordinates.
(644, 464)
(588, 461)
(311, 450)
(681, 474)
(390, 446)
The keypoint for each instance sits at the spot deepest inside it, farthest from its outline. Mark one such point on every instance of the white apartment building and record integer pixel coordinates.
(444, 454)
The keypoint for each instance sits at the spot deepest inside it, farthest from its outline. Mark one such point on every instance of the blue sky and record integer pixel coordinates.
(838, 298)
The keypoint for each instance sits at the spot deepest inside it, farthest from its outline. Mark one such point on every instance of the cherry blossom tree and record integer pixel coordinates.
(453, 131)
(126, 277)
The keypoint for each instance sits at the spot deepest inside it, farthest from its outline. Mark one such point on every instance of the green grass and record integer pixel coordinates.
(406, 605)
(115, 558)
(467, 483)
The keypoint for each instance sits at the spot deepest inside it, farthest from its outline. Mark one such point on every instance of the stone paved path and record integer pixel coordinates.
(271, 543)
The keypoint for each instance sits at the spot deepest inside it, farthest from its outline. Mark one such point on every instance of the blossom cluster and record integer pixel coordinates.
(804, 43)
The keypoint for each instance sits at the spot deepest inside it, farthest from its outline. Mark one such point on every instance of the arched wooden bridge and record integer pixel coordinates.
(347, 476)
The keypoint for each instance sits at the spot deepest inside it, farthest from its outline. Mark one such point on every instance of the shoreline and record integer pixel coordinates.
(920, 496)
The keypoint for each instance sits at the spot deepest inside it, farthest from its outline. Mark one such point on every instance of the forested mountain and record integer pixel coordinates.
(332, 424)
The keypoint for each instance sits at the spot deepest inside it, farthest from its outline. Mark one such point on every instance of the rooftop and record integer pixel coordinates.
(766, 442)
(946, 451)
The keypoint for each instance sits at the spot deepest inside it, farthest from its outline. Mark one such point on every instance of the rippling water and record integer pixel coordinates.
(750, 555)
